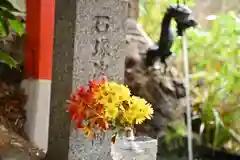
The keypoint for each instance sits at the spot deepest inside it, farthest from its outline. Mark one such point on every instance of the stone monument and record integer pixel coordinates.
(89, 42)
(61, 88)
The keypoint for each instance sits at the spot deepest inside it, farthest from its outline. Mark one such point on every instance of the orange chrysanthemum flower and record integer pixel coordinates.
(101, 105)
(82, 105)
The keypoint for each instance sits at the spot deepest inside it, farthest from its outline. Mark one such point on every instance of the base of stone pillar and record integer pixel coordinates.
(82, 148)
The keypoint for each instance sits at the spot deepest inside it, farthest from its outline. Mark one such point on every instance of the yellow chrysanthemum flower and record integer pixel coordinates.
(139, 110)
(111, 95)
(111, 113)
(121, 91)
(119, 105)
(111, 92)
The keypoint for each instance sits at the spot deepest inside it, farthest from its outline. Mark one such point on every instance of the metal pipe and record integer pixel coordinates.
(188, 105)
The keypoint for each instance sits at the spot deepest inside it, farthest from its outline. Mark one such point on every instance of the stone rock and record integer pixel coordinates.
(85, 149)
(164, 90)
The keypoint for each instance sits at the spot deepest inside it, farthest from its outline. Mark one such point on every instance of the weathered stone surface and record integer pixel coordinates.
(99, 48)
(82, 148)
(100, 40)
(119, 151)
(165, 90)
(65, 20)
(133, 8)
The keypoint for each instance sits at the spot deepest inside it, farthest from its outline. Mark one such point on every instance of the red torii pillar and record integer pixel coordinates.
(38, 68)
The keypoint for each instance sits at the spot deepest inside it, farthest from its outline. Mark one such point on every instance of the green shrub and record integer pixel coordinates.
(8, 23)
(214, 56)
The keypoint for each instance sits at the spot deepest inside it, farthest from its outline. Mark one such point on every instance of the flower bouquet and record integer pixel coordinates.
(106, 105)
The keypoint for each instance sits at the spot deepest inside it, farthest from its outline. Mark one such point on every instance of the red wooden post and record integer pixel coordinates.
(39, 38)
(38, 67)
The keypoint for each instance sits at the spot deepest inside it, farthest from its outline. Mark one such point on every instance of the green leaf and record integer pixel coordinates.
(142, 7)
(6, 14)
(17, 26)
(14, 23)
(222, 133)
(8, 5)
(4, 30)
(142, 2)
(5, 58)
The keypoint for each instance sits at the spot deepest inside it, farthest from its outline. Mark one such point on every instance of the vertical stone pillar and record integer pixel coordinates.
(99, 40)
(133, 6)
(61, 87)
(89, 41)
(99, 48)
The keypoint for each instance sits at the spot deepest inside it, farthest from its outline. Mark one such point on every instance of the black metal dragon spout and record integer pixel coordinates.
(162, 50)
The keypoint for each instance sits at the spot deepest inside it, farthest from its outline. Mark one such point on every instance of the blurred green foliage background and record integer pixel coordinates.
(214, 55)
